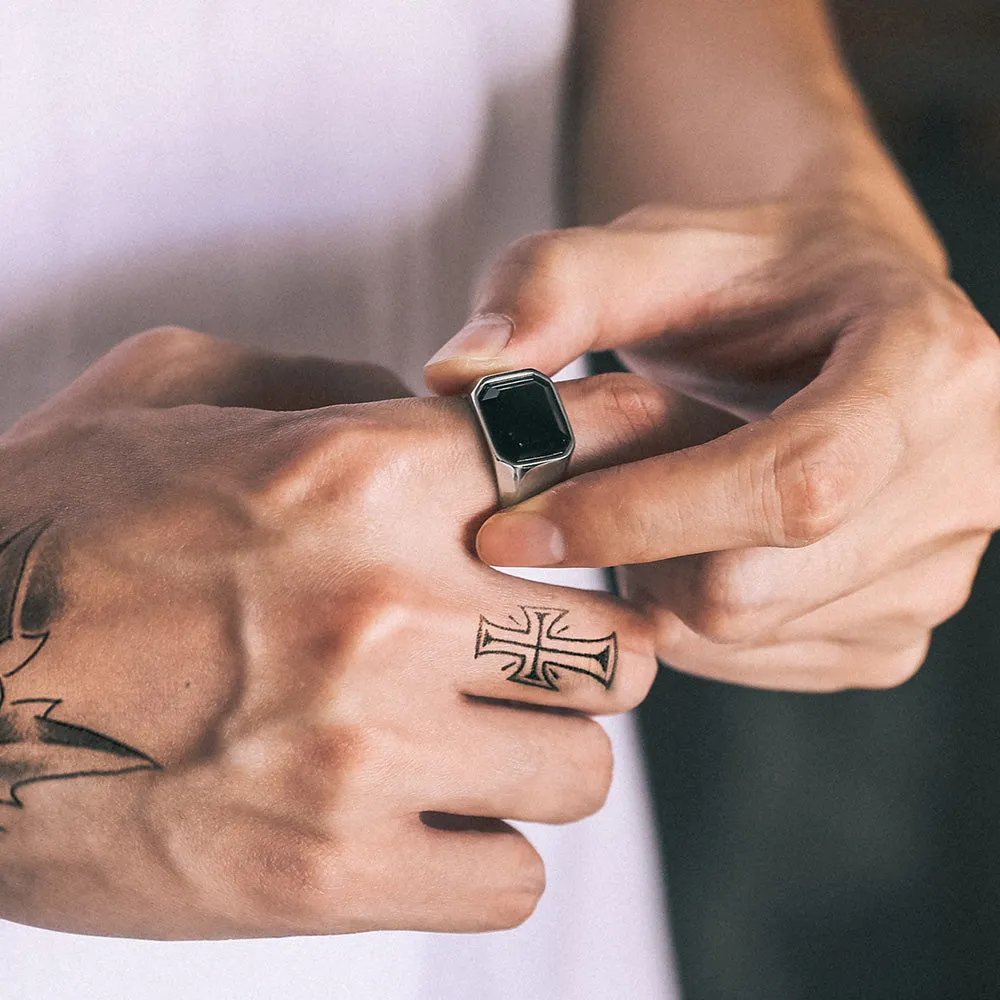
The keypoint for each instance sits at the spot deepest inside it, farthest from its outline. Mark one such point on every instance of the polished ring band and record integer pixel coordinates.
(526, 430)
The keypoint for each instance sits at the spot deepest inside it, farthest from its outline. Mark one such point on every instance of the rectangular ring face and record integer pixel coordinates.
(524, 419)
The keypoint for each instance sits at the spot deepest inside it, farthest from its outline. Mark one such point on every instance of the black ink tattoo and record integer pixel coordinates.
(536, 650)
(33, 745)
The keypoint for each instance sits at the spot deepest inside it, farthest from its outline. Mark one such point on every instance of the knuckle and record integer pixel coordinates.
(942, 588)
(373, 617)
(544, 266)
(959, 354)
(950, 602)
(981, 370)
(964, 343)
(720, 608)
(372, 769)
(894, 669)
(987, 370)
(979, 348)
(306, 768)
(372, 607)
(813, 487)
(166, 341)
(153, 363)
(333, 755)
(346, 647)
(720, 623)
(635, 407)
(298, 879)
(321, 876)
(553, 255)
(649, 215)
(926, 604)
(288, 880)
(312, 458)
(670, 632)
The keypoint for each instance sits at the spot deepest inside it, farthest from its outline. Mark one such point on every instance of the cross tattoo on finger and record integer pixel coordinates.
(537, 648)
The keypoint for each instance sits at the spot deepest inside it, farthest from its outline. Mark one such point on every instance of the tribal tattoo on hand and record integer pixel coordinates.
(537, 648)
(34, 746)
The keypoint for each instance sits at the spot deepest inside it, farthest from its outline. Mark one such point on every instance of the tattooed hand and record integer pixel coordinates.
(255, 681)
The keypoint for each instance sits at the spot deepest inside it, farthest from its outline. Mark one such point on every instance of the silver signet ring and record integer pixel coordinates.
(526, 430)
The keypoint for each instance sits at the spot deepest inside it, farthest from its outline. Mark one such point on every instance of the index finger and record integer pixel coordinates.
(787, 480)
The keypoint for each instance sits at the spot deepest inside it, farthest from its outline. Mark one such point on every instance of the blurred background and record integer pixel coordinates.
(848, 846)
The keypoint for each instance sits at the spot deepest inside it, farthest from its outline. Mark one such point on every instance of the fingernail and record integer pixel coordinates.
(481, 339)
(520, 539)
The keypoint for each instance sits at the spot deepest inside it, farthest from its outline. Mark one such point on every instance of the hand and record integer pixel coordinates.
(250, 672)
(815, 546)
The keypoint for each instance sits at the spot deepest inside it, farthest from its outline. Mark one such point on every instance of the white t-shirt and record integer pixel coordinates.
(318, 176)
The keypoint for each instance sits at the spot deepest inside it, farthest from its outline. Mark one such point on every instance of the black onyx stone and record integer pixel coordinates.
(524, 421)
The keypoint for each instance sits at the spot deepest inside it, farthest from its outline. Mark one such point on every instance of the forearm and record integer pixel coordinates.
(717, 102)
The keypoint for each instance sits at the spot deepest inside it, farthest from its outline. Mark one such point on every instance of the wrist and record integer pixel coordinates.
(856, 175)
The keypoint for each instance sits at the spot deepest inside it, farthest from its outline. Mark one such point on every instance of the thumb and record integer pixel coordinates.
(553, 296)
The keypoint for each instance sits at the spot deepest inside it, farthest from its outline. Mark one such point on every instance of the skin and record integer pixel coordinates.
(268, 599)
(824, 496)
(273, 605)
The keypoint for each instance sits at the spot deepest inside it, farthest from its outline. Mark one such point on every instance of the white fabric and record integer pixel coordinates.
(322, 176)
